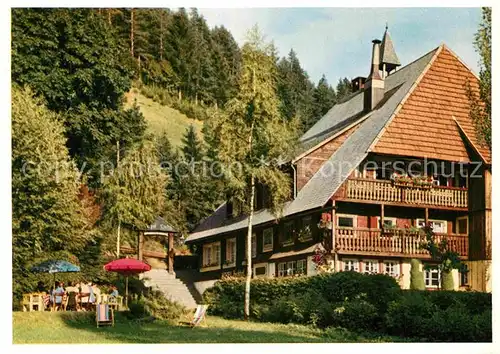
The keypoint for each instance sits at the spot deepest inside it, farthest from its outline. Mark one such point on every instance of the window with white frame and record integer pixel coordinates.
(351, 265)
(370, 266)
(260, 270)
(290, 268)
(281, 269)
(438, 226)
(463, 225)
(344, 220)
(432, 278)
(301, 266)
(391, 268)
(211, 254)
(388, 222)
(231, 251)
(267, 240)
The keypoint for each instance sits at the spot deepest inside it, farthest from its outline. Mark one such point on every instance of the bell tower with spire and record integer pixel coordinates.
(389, 61)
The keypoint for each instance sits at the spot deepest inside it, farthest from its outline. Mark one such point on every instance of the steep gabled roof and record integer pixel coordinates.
(319, 189)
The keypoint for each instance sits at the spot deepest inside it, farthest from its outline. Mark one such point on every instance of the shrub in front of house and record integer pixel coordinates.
(416, 275)
(441, 316)
(447, 280)
(358, 302)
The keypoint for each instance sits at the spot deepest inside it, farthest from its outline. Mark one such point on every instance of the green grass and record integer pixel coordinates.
(78, 327)
(163, 118)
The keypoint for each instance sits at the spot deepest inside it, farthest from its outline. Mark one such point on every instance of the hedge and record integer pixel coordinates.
(358, 302)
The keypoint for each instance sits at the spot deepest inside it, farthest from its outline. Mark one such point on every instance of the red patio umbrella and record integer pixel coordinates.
(127, 266)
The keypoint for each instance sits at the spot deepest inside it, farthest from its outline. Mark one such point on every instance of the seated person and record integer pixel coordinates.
(114, 291)
(41, 288)
(58, 292)
(71, 288)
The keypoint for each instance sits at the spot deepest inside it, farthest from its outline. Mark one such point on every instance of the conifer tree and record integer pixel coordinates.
(47, 215)
(192, 146)
(324, 98)
(252, 133)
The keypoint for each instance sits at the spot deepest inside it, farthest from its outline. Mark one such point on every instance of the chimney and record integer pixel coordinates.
(358, 83)
(374, 85)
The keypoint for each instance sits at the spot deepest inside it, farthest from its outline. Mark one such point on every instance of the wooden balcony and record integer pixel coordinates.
(396, 242)
(380, 191)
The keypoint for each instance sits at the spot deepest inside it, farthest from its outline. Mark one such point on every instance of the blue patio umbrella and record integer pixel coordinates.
(55, 266)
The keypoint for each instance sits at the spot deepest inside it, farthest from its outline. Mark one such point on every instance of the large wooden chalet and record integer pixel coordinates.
(398, 119)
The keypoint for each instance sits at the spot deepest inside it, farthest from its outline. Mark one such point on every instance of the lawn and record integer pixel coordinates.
(163, 118)
(46, 327)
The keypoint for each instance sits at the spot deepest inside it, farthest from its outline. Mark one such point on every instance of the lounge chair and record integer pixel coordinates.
(104, 315)
(199, 315)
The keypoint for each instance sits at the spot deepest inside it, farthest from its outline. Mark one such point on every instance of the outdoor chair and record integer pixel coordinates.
(71, 302)
(104, 315)
(198, 317)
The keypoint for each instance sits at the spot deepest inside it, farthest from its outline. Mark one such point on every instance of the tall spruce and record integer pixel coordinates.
(324, 98)
(47, 214)
(192, 147)
(252, 134)
(72, 58)
(480, 97)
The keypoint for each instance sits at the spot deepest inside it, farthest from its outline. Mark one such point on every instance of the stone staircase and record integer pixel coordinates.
(174, 289)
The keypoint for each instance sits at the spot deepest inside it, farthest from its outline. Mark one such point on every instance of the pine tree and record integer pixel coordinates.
(192, 147)
(344, 89)
(227, 63)
(295, 90)
(47, 215)
(72, 58)
(324, 98)
(252, 131)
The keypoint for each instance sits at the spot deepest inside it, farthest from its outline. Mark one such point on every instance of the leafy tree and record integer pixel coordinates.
(47, 214)
(441, 252)
(251, 133)
(134, 193)
(480, 105)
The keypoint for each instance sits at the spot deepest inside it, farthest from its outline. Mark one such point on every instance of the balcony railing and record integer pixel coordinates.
(385, 191)
(396, 242)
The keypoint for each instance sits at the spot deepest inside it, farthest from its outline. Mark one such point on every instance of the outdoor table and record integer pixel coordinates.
(32, 300)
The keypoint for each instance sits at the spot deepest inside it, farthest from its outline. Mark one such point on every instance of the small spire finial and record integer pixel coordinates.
(386, 26)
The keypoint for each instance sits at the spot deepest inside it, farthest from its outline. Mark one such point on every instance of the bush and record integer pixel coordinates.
(313, 298)
(416, 276)
(359, 303)
(357, 315)
(155, 305)
(476, 302)
(439, 316)
(447, 281)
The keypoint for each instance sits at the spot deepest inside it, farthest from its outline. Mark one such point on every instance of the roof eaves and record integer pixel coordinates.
(469, 140)
(330, 138)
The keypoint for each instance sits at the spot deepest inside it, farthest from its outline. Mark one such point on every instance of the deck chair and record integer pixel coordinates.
(104, 315)
(199, 315)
